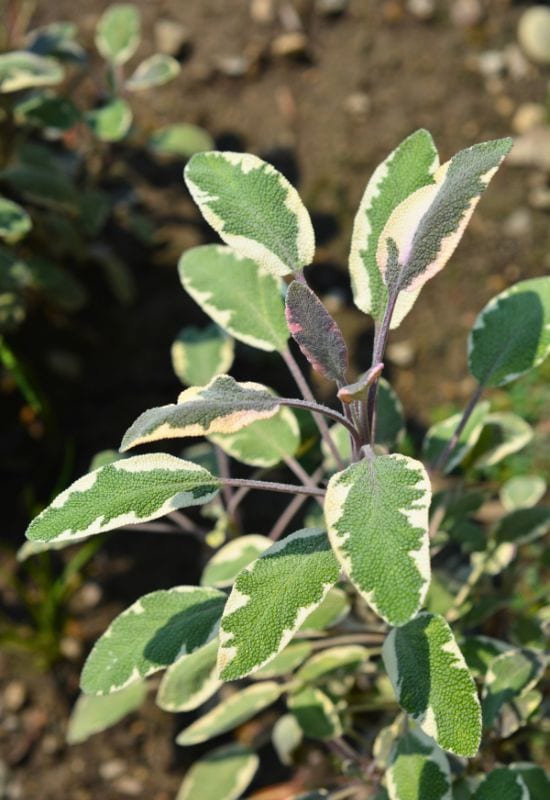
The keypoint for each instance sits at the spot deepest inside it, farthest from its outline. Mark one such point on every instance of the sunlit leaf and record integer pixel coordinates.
(439, 435)
(225, 565)
(181, 140)
(191, 680)
(199, 354)
(94, 713)
(522, 491)
(503, 434)
(509, 675)
(288, 660)
(223, 774)
(345, 658)
(523, 526)
(111, 122)
(23, 70)
(118, 32)
(264, 443)
(316, 713)
(286, 737)
(333, 609)
(419, 770)
(154, 71)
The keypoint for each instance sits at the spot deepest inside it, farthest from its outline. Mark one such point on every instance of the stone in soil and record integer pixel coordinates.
(534, 34)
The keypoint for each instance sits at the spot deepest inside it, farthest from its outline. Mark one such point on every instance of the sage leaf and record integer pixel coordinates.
(191, 680)
(15, 223)
(316, 332)
(316, 713)
(535, 778)
(181, 140)
(199, 354)
(229, 560)
(409, 167)
(128, 491)
(286, 737)
(503, 783)
(94, 713)
(432, 683)
(222, 406)
(237, 294)
(118, 33)
(223, 774)
(377, 520)
(333, 609)
(23, 70)
(522, 491)
(111, 122)
(523, 526)
(238, 708)
(271, 599)
(253, 208)
(286, 662)
(523, 313)
(510, 675)
(154, 71)
(419, 770)
(503, 433)
(150, 635)
(439, 435)
(346, 658)
(264, 443)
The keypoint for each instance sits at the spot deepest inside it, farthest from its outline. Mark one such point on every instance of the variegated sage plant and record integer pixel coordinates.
(342, 617)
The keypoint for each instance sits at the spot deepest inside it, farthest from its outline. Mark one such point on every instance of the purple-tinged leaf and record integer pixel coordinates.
(360, 389)
(316, 332)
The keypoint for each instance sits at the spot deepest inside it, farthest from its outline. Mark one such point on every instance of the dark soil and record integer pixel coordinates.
(296, 113)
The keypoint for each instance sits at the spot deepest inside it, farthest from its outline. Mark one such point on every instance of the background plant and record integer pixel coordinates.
(368, 575)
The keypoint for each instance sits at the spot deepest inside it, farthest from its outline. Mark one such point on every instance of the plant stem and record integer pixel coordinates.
(291, 510)
(308, 395)
(11, 364)
(352, 638)
(222, 461)
(319, 409)
(300, 473)
(380, 340)
(186, 524)
(445, 454)
(268, 486)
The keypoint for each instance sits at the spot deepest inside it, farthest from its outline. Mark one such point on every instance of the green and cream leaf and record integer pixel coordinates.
(199, 354)
(154, 71)
(534, 777)
(503, 783)
(510, 675)
(94, 713)
(191, 680)
(346, 658)
(227, 563)
(503, 433)
(118, 33)
(111, 122)
(272, 598)
(439, 435)
(15, 223)
(333, 609)
(377, 519)
(316, 713)
(522, 491)
(23, 70)
(223, 774)
(287, 661)
(419, 770)
(181, 140)
(264, 443)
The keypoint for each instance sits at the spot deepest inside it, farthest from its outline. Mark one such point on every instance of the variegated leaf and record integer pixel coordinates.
(199, 354)
(253, 208)
(191, 680)
(45, 109)
(502, 783)
(316, 713)
(439, 435)
(510, 675)
(423, 231)
(522, 492)
(523, 526)
(118, 32)
(346, 658)
(223, 774)
(377, 519)
(14, 221)
(238, 708)
(523, 312)
(264, 443)
(123, 493)
(94, 713)
(432, 683)
(287, 661)
(154, 71)
(286, 737)
(222, 406)
(225, 565)
(111, 122)
(23, 70)
(333, 609)
(316, 332)
(180, 140)
(272, 598)
(419, 770)
(409, 167)
(503, 433)
(150, 635)
(479, 651)
(534, 777)
(237, 294)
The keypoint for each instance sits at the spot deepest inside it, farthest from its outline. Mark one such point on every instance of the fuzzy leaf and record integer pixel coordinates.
(320, 666)
(377, 518)
(316, 332)
(424, 230)
(523, 311)
(479, 651)
(47, 110)
(93, 714)
(264, 443)
(522, 492)
(535, 778)
(129, 491)
(118, 33)
(199, 354)
(440, 434)
(242, 298)
(359, 389)
(271, 599)
(509, 675)
(225, 565)
(286, 737)
(253, 208)
(333, 609)
(502, 434)
(523, 526)
(191, 680)
(222, 406)
(287, 661)
(23, 70)
(223, 774)
(418, 771)
(502, 783)
(154, 71)
(238, 708)
(316, 713)
(182, 140)
(111, 122)
(150, 635)
(432, 683)
(14, 221)
(409, 167)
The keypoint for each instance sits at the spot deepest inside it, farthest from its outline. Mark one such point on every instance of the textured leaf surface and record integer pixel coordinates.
(199, 354)
(316, 332)
(522, 491)
(253, 208)
(424, 230)
(409, 167)
(333, 609)
(111, 122)
(502, 783)
(264, 443)
(346, 658)
(441, 433)
(154, 71)
(14, 221)
(225, 565)
(242, 298)
(223, 774)
(509, 675)
(181, 140)
(128, 491)
(418, 771)
(523, 311)
(502, 434)
(150, 635)
(238, 708)
(316, 713)
(22, 70)
(288, 660)
(191, 680)
(523, 526)
(272, 598)
(377, 518)
(93, 714)
(222, 406)
(118, 33)
(432, 683)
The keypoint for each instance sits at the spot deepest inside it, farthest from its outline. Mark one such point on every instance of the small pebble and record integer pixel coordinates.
(290, 45)
(233, 66)
(422, 9)
(528, 116)
(129, 786)
(534, 34)
(88, 596)
(491, 64)
(518, 223)
(71, 648)
(170, 37)
(466, 13)
(357, 104)
(15, 696)
(110, 770)
(401, 354)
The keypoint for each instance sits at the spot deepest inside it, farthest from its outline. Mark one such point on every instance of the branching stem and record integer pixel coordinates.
(269, 486)
(380, 340)
(445, 454)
